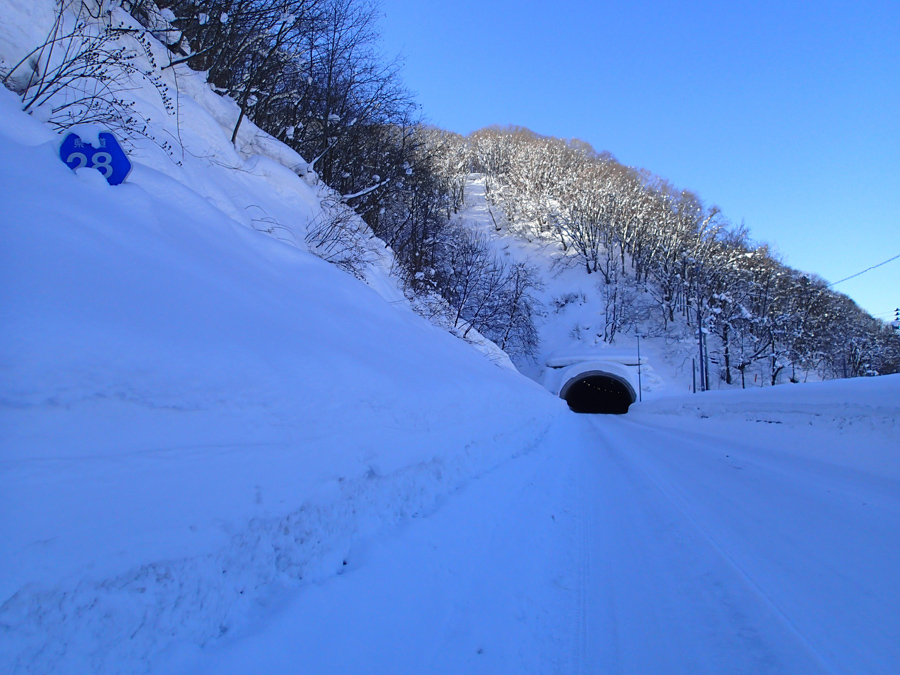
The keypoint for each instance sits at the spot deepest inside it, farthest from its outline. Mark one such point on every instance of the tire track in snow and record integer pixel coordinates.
(814, 530)
(660, 596)
(670, 493)
(584, 574)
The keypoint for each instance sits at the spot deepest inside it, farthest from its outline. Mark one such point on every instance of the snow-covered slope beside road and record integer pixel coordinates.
(193, 413)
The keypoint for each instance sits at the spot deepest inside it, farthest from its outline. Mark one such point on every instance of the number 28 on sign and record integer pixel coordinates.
(109, 159)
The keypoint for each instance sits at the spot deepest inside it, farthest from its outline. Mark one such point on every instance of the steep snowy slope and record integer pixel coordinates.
(194, 413)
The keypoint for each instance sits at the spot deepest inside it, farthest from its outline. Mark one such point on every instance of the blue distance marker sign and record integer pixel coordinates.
(109, 159)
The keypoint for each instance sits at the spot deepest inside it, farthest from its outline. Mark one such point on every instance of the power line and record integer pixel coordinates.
(868, 269)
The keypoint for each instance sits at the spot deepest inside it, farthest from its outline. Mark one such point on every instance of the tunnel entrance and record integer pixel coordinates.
(598, 393)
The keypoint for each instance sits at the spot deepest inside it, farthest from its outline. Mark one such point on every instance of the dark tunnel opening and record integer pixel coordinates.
(598, 394)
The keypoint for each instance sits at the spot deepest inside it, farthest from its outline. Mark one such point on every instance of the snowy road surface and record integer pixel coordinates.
(640, 544)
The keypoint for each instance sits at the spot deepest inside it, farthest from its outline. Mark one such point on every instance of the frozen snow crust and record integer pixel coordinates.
(195, 414)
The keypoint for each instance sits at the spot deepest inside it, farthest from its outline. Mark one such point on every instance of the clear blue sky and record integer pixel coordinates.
(784, 114)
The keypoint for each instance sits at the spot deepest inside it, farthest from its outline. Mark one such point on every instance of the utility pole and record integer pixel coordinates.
(694, 373)
(700, 343)
(640, 386)
(705, 363)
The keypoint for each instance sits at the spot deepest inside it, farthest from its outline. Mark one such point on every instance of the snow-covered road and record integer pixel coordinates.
(641, 544)
(722, 555)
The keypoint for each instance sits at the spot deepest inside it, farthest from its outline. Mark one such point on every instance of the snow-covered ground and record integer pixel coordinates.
(724, 542)
(219, 453)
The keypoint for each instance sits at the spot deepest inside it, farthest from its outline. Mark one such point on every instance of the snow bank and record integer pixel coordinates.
(836, 402)
(853, 424)
(24, 25)
(193, 413)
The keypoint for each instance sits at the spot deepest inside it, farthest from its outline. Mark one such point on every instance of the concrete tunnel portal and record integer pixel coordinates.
(595, 381)
(596, 391)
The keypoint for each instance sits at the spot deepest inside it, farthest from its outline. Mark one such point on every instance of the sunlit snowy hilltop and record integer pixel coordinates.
(221, 453)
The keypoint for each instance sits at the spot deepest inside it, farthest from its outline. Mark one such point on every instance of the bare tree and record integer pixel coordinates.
(84, 70)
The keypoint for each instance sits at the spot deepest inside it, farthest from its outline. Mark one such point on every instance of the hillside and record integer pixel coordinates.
(182, 392)
(658, 261)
